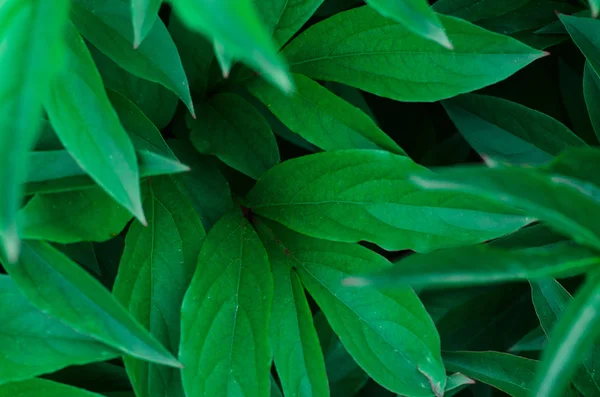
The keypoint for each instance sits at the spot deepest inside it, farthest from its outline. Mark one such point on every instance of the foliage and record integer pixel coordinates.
(299, 198)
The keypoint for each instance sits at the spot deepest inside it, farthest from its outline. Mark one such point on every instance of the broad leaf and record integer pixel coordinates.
(416, 16)
(591, 92)
(550, 299)
(237, 27)
(321, 117)
(283, 18)
(507, 131)
(42, 388)
(235, 132)
(389, 334)
(225, 314)
(144, 16)
(31, 54)
(34, 343)
(572, 337)
(155, 270)
(89, 127)
(62, 289)
(108, 26)
(584, 32)
(363, 49)
(355, 195)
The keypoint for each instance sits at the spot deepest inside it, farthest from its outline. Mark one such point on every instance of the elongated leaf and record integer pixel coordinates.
(584, 32)
(298, 356)
(416, 16)
(550, 299)
(144, 15)
(32, 53)
(60, 288)
(237, 27)
(230, 128)
(572, 336)
(35, 344)
(396, 343)
(89, 128)
(463, 266)
(155, 270)
(507, 131)
(363, 49)
(477, 10)
(322, 118)
(355, 195)
(42, 388)
(109, 27)
(591, 92)
(570, 83)
(225, 314)
(533, 341)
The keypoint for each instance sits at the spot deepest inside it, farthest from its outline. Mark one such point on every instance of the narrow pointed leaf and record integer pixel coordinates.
(416, 15)
(225, 314)
(584, 32)
(507, 131)
(144, 15)
(591, 92)
(533, 341)
(365, 50)
(389, 334)
(31, 54)
(89, 127)
(355, 195)
(155, 270)
(109, 27)
(225, 61)
(34, 343)
(60, 288)
(236, 26)
(234, 131)
(42, 388)
(572, 337)
(322, 118)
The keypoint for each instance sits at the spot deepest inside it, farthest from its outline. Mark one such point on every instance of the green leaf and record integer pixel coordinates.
(477, 10)
(108, 26)
(275, 391)
(155, 270)
(62, 289)
(234, 131)
(321, 117)
(594, 6)
(298, 356)
(365, 50)
(34, 343)
(223, 59)
(534, 341)
(462, 266)
(591, 92)
(584, 32)
(89, 127)
(42, 388)
(32, 53)
(507, 131)
(573, 335)
(225, 314)
(236, 26)
(416, 15)
(550, 300)
(389, 334)
(144, 16)
(455, 383)
(355, 195)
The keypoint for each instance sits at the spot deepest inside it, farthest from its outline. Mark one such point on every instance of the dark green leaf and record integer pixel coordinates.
(389, 334)
(60, 288)
(109, 27)
(533, 341)
(31, 55)
(42, 388)
(89, 127)
(82, 253)
(322, 118)
(507, 131)
(455, 383)
(584, 32)
(155, 270)
(591, 92)
(355, 195)
(34, 343)
(477, 10)
(225, 314)
(144, 16)
(363, 49)
(234, 131)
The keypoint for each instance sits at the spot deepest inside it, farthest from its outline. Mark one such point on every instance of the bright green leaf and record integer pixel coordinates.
(591, 92)
(31, 53)
(155, 270)
(42, 388)
(507, 131)
(108, 26)
(144, 16)
(225, 314)
(321, 117)
(355, 195)
(234, 131)
(363, 49)
(62, 289)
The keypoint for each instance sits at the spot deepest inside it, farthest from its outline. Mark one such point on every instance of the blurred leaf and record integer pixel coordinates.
(42, 388)
(591, 92)
(571, 87)
(477, 10)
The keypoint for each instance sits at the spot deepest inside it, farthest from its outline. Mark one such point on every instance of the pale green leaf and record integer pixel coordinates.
(144, 15)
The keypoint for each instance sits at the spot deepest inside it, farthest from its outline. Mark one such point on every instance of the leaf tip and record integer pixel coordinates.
(12, 244)
(443, 39)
